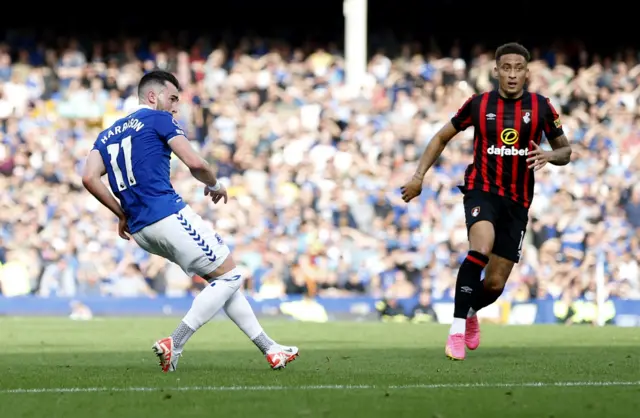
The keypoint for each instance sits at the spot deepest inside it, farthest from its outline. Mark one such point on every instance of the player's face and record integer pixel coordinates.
(512, 74)
(168, 98)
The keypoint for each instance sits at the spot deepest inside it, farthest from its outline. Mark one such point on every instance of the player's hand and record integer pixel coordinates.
(538, 157)
(412, 189)
(217, 195)
(123, 228)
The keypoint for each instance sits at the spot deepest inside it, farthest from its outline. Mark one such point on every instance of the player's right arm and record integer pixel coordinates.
(94, 169)
(434, 149)
(460, 122)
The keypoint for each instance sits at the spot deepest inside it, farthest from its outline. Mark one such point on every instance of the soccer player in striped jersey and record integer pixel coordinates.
(135, 153)
(498, 185)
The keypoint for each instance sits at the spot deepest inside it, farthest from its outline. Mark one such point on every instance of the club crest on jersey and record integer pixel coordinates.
(475, 211)
(509, 136)
(526, 116)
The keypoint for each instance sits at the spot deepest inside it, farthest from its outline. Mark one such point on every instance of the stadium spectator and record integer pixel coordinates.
(313, 171)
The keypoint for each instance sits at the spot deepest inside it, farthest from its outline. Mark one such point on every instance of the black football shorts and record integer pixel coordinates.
(508, 218)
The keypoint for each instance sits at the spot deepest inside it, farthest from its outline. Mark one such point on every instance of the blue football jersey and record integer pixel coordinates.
(136, 153)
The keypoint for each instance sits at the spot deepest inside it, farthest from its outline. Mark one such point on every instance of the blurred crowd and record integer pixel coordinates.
(313, 169)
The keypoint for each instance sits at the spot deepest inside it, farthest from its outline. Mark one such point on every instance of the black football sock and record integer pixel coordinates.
(468, 283)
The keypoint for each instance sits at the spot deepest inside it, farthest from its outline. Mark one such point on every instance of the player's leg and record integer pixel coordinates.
(198, 249)
(495, 278)
(224, 292)
(505, 254)
(186, 240)
(480, 214)
(240, 312)
(223, 283)
(506, 251)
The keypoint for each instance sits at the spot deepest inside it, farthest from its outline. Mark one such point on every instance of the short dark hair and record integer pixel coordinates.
(513, 48)
(157, 77)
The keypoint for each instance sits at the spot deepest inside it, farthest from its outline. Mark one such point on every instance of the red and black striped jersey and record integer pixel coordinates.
(503, 131)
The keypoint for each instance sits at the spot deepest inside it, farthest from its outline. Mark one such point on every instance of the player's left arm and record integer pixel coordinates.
(561, 154)
(94, 169)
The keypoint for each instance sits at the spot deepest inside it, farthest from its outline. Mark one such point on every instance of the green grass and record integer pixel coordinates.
(385, 359)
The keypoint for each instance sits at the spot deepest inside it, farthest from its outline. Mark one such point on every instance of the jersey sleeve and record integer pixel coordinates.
(97, 144)
(462, 119)
(166, 126)
(552, 123)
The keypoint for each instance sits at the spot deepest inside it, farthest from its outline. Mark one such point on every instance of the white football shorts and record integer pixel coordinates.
(185, 239)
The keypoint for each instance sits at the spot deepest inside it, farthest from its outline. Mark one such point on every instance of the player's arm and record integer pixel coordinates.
(94, 169)
(198, 166)
(458, 123)
(461, 121)
(170, 131)
(561, 154)
(434, 149)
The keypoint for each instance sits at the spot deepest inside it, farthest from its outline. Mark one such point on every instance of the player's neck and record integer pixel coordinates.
(140, 106)
(514, 96)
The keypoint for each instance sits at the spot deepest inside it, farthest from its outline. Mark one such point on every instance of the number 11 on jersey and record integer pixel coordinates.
(114, 151)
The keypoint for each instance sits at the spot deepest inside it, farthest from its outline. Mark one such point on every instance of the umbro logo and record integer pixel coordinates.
(491, 116)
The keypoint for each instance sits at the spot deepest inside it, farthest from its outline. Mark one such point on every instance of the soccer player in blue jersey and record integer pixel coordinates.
(134, 153)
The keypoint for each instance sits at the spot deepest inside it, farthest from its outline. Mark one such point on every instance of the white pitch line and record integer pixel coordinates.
(320, 387)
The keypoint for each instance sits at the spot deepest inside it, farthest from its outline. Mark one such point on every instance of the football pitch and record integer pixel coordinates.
(55, 367)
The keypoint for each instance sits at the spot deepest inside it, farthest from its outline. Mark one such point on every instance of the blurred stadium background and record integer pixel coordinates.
(313, 127)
